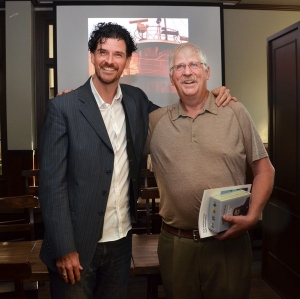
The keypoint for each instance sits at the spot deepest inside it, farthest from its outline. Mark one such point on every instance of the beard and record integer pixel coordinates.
(106, 79)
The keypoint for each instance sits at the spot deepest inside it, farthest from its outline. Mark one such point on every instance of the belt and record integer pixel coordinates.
(183, 233)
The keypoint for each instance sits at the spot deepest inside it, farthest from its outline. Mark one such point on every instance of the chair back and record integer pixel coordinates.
(11, 281)
(17, 224)
(149, 202)
(14, 272)
(17, 218)
(147, 178)
(153, 220)
(31, 181)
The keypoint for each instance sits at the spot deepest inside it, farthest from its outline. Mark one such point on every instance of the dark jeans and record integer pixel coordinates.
(106, 278)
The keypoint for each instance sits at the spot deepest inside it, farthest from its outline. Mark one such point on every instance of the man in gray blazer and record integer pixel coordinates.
(90, 155)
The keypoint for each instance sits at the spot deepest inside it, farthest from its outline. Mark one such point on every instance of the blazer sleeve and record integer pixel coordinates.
(53, 192)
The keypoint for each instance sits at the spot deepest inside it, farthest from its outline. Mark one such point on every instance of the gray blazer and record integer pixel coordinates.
(76, 165)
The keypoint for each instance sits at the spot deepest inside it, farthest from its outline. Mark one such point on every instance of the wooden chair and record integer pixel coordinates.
(145, 260)
(31, 181)
(153, 221)
(16, 224)
(148, 203)
(16, 217)
(147, 178)
(16, 284)
(32, 188)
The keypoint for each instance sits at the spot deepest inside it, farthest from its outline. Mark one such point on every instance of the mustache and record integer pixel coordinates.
(188, 79)
(111, 65)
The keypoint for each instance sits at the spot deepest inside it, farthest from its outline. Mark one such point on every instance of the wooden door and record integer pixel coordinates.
(281, 218)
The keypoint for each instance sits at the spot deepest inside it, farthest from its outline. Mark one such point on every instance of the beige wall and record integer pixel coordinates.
(19, 74)
(245, 35)
(245, 32)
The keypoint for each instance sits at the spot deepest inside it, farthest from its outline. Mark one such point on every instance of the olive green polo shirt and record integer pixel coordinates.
(190, 155)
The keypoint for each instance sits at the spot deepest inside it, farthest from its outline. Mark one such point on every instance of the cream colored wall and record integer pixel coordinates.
(19, 75)
(246, 32)
(245, 35)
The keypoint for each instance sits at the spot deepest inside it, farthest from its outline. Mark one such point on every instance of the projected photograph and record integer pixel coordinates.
(156, 30)
(154, 37)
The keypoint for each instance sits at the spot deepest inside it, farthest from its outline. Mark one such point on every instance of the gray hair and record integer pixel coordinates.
(189, 48)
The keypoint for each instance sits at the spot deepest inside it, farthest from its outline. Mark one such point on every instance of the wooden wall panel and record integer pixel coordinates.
(3, 142)
(281, 218)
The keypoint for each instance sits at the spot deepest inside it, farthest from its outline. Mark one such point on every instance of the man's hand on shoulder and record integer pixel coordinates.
(64, 92)
(223, 96)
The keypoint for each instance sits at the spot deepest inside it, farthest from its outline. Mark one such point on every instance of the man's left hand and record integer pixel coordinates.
(238, 225)
(223, 96)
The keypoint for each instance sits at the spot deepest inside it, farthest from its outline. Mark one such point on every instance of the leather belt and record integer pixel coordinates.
(183, 233)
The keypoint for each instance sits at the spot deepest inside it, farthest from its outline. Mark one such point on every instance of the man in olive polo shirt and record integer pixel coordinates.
(195, 145)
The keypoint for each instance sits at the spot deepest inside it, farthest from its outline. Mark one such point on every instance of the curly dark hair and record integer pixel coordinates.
(104, 31)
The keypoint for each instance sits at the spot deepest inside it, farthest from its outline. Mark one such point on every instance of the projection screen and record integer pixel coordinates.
(156, 30)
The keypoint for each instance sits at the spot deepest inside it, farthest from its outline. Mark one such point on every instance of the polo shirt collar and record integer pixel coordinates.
(210, 106)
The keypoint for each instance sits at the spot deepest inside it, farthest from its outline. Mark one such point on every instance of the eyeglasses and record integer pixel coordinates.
(192, 65)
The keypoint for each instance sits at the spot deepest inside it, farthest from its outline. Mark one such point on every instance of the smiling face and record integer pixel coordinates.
(189, 83)
(110, 60)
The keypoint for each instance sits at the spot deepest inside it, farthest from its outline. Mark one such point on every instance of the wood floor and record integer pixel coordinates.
(138, 285)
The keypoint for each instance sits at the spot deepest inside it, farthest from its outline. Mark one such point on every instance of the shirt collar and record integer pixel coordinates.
(118, 96)
(210, 106)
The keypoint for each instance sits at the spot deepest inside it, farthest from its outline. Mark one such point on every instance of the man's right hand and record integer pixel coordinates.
(223, 96)
(69, 267)
(64, 92)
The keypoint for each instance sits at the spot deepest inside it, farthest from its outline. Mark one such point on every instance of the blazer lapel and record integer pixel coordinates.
(91, 112)
(130, 111)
